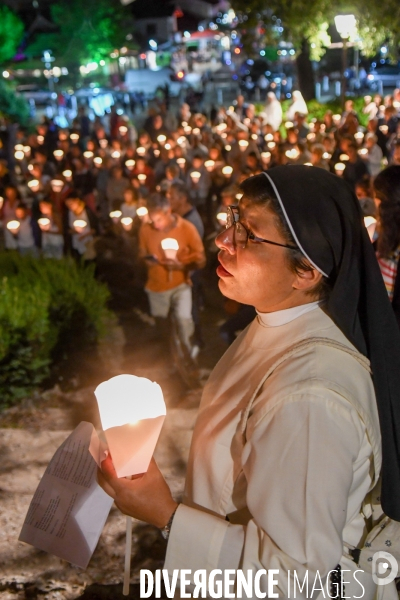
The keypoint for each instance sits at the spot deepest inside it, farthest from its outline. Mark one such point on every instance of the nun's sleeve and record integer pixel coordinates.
(298, 462)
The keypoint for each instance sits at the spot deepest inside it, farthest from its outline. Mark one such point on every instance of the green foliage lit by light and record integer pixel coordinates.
(11, 32)
(88, 31)
(13, 107)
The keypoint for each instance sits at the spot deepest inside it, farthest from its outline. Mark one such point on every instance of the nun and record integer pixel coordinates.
(301, 416)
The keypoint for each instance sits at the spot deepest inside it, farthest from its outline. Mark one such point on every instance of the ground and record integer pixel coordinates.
(32, 431)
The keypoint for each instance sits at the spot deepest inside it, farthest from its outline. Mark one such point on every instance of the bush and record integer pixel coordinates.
(13, 107)
(42, 303)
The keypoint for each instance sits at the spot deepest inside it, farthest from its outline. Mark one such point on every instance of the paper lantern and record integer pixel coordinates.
(132, 411)
(115, 215)
(13, 226)
(79, 225)
(126, 223)
(44, 223)
(170, 247)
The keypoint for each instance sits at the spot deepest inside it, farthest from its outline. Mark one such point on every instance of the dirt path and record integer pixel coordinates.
(31, 432)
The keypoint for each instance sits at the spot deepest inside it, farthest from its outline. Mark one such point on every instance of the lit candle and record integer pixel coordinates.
(132, 412)
(370, 224)
(130, 164)
(359, 136)
(228, 147)
(209, 165)
(19, 155)
(167, 146)
(339, 168)
(187, 130)
(97, 161)
(79, 225)
(254, 137)
(88, 154)
(57, 185)
(308, 164)
(170, 247)
(103, 143)
(181, 140)
(44, 223)
(157, 152)
(311, 137)
(384, 129)
(271, 145)
(141, 151)
(336, 119)
(181, 162)
(222, 218)
(142, 212)
(326, 156)
(67, 174)
(196, 131)
(227, 171)
(126, 223)
(40, 139)
(19, 147)
(74, 137)
(13, 226)
(115, 215)
(195, 175)
(142, 177)
(58, 154)
(343, 157)
(161, 139)
(27, 151)
(34, 185)
(363, 151)
(243, 145)
(123, 130)
(269, 137)
(116, 154)
(265, 157)
(288, 124)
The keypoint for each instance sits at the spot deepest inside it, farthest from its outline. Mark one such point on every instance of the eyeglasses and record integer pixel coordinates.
(241, 234)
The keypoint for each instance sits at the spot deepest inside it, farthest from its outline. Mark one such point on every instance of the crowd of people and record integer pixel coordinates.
(65, 187)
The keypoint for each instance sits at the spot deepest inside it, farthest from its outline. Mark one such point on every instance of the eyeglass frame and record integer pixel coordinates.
(233, 210)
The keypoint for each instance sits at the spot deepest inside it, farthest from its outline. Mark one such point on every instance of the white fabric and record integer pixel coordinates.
(282, 317)
(294, 489)
(273, 111)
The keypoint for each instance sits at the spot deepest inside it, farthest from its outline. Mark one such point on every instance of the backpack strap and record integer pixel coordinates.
(296, 349)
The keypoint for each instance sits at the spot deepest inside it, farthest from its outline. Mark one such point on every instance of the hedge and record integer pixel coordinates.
(41, 303)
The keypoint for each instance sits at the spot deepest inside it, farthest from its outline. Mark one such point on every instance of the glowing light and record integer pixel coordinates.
(44, 223)
(339, 168)
(57, 185)
(209, 165)
(130, 164)
(227, 171)
(142, 212)
(127, 223)
(170, 247)
(222, 218)
(79, 225)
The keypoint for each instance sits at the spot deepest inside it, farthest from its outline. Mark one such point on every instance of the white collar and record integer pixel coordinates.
(281, 317)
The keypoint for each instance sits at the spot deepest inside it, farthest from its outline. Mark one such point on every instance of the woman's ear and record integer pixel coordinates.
(306, 280)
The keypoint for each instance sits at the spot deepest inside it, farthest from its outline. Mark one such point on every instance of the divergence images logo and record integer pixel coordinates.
(384, 568)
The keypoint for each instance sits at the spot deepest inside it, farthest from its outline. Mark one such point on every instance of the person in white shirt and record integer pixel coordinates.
(288, 442)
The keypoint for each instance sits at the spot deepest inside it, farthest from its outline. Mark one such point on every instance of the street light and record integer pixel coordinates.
(345, 25)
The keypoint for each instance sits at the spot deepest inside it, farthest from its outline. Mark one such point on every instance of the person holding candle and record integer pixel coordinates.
(288, 442)
(81, 238)
(168, 284)
(8, 213)
(50, 223)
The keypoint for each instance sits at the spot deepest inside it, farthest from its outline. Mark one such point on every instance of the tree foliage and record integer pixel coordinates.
(11, 32)
(88, 31)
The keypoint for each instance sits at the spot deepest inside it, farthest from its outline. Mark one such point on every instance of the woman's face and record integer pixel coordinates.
(257, 274)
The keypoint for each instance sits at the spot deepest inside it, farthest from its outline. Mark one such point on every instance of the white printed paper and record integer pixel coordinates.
(69, 509)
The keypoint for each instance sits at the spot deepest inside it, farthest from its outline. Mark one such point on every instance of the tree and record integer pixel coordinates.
(11, 33)
(88, 31)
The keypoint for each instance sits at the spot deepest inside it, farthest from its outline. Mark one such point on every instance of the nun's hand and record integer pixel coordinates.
(147, 497)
